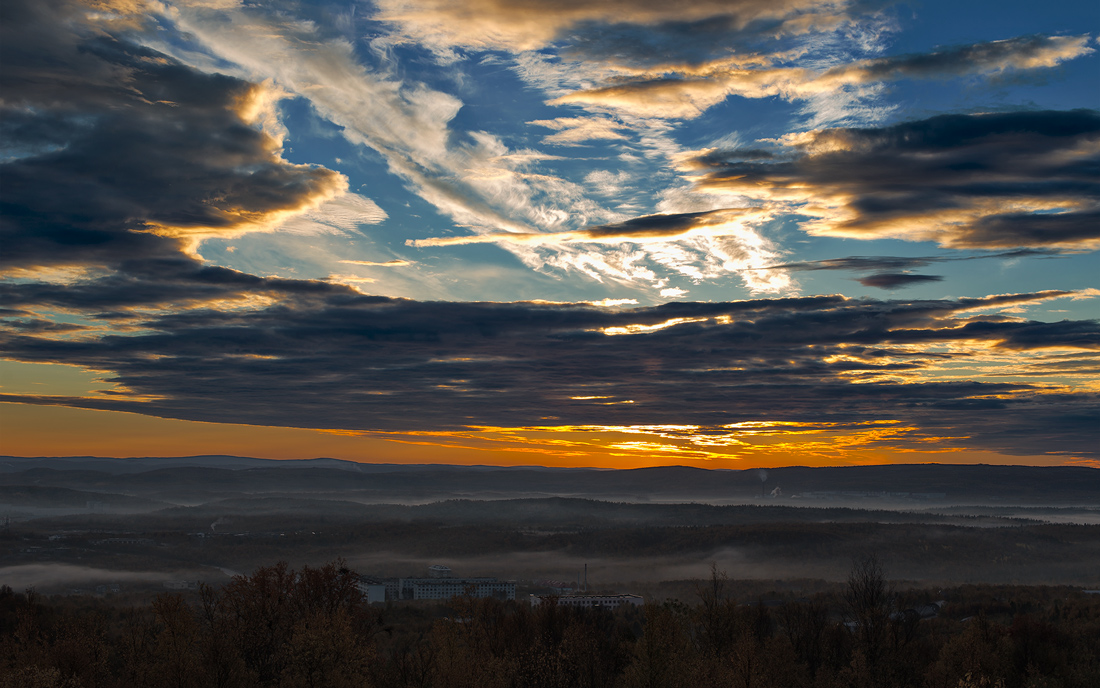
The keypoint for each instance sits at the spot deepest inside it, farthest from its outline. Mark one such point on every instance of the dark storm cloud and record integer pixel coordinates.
(345, 361)
(1031, 229)
(685, 42)
(656, 225)
(896, 280)
(891, 271)
(159, 283)
(114, 152)
(968, 181)
(1024, 52)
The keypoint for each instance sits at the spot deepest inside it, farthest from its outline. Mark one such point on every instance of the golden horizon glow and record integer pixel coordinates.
(41, 430)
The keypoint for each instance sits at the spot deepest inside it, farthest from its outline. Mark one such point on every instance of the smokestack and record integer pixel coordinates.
(586, 577)
(763, 475)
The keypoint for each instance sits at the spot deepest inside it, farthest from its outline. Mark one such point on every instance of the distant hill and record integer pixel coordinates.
(61, 497)
(202, 479)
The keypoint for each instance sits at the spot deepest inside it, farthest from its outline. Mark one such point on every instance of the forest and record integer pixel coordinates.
(621, 543)
(311, 627)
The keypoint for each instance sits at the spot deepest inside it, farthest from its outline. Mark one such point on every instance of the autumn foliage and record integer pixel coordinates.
(312, 628)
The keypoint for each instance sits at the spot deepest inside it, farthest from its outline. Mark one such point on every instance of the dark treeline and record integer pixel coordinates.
(312, 628)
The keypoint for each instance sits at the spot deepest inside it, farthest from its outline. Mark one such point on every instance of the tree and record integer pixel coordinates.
(716, 613)
(663, 655)
(176, 641)
(804, 625)
(867, 608)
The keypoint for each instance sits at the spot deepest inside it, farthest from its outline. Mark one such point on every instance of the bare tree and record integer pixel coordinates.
(867, 602)
(716, 612)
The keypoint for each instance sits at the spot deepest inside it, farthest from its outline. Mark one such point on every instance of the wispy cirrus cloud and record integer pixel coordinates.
(698, 245)
(476, 179)
(396, 263)
(342, 215)
(575, 130)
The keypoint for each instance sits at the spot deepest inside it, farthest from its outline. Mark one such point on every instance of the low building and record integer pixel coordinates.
(589, 601)
(374, 592)
(446, 588)
(438, 586)
(380, 589)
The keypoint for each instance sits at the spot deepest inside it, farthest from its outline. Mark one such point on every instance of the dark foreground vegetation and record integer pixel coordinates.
(312, 628)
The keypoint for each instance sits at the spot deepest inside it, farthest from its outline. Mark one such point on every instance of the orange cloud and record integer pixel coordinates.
(530, 24)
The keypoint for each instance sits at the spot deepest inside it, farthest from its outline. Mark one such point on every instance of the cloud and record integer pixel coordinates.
(687, 90)
(518, 26)
(201, 155)
(129, 138)
(607, 183)
(661, 227)
(474, 178)
(1025, 52)
(892, 272)
(698, 245)
(336, 359)
(397, 263)
(872, 263)
(574, 130)
(1019, 179)
(582, 48)
(896, 280)
(116, 297)
(342, 215)
(672, 98)
(116, 152)
(196, 154)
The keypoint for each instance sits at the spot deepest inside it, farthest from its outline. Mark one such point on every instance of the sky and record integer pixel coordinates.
(720, 233)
